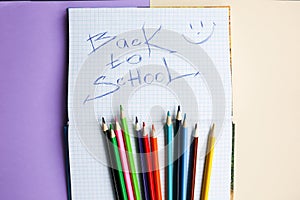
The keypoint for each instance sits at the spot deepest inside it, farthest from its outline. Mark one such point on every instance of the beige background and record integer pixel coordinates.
(266, 89)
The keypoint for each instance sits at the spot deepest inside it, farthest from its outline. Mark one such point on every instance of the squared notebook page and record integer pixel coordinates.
(150, 61)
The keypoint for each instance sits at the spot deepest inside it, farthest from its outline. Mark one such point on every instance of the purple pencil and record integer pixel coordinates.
(142, 160)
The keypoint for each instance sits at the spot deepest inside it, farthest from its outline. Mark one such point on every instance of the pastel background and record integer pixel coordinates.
(266, 96)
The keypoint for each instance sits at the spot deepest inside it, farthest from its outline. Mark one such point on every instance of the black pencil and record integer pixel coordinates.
(192, 165)
(113, 168)
(176, 156)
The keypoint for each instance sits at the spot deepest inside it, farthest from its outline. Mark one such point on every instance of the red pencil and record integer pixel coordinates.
(156, 173)
(148, 162)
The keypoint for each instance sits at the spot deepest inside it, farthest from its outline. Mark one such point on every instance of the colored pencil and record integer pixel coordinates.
(176, 154)
(192, 165)
(208, 164)
(124, 163)
(156, 172)
(169, 168)
(113, 170)
(116, 163)
(143, 161)
(128, 148)
(183, 160)
(149, 162)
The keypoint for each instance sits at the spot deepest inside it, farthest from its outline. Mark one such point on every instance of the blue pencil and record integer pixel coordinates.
(183, 164)
(142, 160)
(178, 123)
(169, 174)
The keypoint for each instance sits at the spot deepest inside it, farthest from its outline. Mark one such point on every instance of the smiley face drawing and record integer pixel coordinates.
(199, 33)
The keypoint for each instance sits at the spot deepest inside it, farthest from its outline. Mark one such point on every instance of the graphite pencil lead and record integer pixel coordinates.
(178, 116)
(104, 126)
(178, 108)
(137, 127)
(168, 113)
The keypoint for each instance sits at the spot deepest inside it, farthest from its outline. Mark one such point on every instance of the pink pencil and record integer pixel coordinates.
(123, 157)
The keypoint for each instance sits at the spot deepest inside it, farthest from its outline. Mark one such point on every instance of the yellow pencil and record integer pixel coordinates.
(208, 164)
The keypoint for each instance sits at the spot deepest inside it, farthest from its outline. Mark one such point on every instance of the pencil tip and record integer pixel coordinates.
(110, 126)
(103, 120)
(153, 131)
(196, 134)
(184, 117)
(121, 108)
(144, 124)
(178, 109)
(136, 120)
(212, 129)
(168, 113)
(178, 115)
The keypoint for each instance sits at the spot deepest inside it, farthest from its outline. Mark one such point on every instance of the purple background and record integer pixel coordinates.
(33, 96)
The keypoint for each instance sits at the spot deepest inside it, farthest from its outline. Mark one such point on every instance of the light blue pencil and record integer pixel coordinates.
(183, 164)
(169, 174)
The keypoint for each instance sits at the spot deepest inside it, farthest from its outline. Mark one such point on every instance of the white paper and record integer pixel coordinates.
(150, 61)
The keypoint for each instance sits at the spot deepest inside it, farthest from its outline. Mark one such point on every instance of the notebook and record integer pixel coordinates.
(149, 60)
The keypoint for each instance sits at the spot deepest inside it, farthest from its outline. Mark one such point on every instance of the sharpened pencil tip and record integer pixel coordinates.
(184, 124)
(153, 131)
(169, 120)
(136, 120)
(122, 114)
(103, 120)
(178, 115)
(178, 108)
(144, 124)
(110, 126)
(213, 127)
(196, 133)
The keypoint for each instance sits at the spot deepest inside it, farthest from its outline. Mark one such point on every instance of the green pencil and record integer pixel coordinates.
(132, 169)
(118, 164)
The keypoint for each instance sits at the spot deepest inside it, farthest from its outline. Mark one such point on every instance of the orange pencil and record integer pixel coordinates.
(156, 173)
(148, 159)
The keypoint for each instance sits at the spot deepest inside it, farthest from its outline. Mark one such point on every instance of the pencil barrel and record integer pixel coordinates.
(169, 168)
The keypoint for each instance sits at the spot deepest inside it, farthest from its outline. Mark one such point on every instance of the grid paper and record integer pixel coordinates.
(193, 42)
